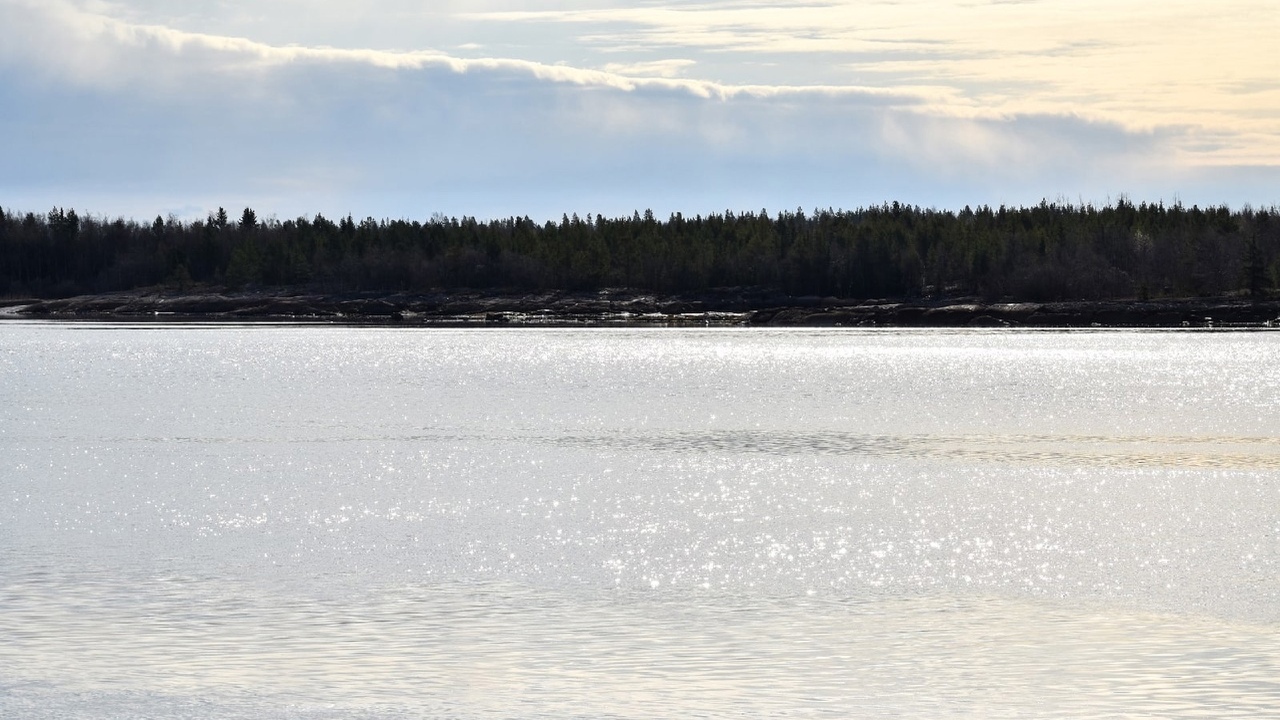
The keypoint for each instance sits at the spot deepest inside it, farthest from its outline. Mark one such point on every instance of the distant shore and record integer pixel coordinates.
(727, 307)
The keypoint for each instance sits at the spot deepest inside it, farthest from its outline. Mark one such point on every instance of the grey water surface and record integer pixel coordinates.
(284, 521)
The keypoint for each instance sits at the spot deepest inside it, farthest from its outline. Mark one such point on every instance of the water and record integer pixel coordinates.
(313, 522)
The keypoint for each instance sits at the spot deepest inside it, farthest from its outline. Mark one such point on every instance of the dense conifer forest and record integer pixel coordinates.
(1041, 253)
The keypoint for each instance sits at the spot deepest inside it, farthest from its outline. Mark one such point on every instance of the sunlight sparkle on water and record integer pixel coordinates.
(322, 522)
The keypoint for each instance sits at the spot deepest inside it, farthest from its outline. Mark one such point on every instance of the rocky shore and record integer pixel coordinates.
(727, 307)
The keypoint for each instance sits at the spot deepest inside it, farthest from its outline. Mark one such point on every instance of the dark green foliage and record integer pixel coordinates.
(1046, 252)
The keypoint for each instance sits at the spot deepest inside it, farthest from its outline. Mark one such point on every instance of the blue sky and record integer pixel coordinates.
(403, 108)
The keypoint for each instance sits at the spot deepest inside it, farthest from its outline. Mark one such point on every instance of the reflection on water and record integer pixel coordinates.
(372, 523)
(1138, 451)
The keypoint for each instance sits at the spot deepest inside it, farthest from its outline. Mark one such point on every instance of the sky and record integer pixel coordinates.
(494, 108)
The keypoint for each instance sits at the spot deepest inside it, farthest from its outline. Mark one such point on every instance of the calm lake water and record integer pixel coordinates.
(315, 522)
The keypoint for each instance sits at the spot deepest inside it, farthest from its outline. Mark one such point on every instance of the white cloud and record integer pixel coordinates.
(92, 48)
(652, 68)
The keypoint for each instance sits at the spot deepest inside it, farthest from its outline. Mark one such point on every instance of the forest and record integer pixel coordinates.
(1041, 253)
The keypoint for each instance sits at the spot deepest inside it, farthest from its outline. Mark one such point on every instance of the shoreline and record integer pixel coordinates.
(626, 308)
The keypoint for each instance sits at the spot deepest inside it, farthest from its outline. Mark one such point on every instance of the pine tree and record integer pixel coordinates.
(1254, 268)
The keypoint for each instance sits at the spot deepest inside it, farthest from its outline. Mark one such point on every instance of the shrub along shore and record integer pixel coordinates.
(893, 265)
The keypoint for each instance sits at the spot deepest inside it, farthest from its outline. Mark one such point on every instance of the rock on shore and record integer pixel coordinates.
(719, 307)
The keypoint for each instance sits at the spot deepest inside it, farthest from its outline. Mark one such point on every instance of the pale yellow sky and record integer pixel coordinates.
(1210, 67)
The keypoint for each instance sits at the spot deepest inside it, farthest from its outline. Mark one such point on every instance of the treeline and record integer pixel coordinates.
(1046, 252)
